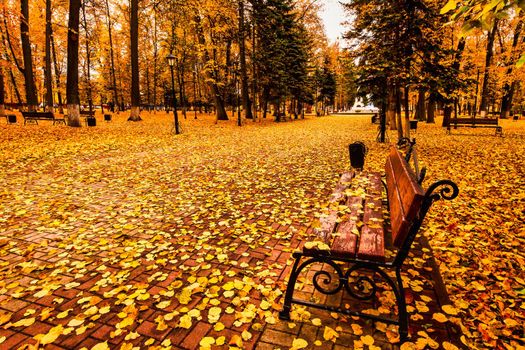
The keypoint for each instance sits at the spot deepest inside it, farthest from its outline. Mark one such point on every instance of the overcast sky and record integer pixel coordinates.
(332, 16)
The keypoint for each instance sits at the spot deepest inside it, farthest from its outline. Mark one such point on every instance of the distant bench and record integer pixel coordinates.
(475, 123)
(87, 114)
(34, 117)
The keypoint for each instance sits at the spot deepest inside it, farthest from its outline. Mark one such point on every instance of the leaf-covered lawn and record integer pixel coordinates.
(124, 235)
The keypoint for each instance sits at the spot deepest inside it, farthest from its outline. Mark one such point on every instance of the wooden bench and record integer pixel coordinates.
(476, 123)
(87, 114)
(353, 235)
(34, 117)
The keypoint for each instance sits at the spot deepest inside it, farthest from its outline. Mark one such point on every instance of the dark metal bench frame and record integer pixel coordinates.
(443, 189)
(476, 123)
(34, 117)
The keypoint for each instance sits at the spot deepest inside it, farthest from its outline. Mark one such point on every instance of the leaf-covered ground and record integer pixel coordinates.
(124, 235)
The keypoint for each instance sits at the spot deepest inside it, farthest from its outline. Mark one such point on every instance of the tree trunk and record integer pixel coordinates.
(265, 96)
(155, 58)
(134, 37)
(7, 59)
(15, 87)
(510, 86)
(31, 97)
(277, 110)
(391, 107)
(398, 113)
(242, 56)
(112, 58)
(2, 93)
(182, 83)
(486, 75)
(73, 100)
(455, 66)
(254, 76)
(407, 112)
(48, 72)
(431, 108)
(88, 59)
(421, 111)
(57, 75)
(506, 103)
(199, 91)
(148, 86)
(212, 79)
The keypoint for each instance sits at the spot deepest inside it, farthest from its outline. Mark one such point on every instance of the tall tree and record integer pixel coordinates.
(112, 57)
(47, 70)
(88, 56)
(486, 74)
(401, 44)
(328, 85)
(211, 72)
(58, 72)
(135, 78)
(31, 96)
(73, 99)
(6, 57)
(510, 84)
(2, 93)
(281, 59)
(243, 70)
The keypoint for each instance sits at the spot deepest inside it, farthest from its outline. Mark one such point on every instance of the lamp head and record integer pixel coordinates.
(171, 60)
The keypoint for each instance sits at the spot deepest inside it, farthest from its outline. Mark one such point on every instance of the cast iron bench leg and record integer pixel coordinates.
(284, 314)
(402, 308)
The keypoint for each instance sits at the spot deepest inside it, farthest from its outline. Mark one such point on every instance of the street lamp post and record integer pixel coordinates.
(171, 62)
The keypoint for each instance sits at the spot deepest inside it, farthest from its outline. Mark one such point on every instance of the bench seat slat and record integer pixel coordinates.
(338, 194)
(345, 241)
(372, 240)
(327, 226)
(329, 222)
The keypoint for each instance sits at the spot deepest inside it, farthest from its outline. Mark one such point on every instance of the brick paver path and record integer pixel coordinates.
(124, 235)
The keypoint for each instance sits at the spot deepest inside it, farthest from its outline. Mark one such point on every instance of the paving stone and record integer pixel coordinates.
(198, 332)
(276, 337)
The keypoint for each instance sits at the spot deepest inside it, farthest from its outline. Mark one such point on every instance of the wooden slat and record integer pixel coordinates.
(345, 240)
(405, 196)
(329, 222)
(327, 226)
(372, 240)
(345, 180)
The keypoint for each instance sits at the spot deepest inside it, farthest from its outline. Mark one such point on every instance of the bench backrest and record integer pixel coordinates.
(405, 196)
(480, 121)
(42, 115)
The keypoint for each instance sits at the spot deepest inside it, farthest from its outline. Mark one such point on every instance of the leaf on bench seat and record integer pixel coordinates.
(327, 225)
(316, 244)
(345, 243)
(372, 240)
